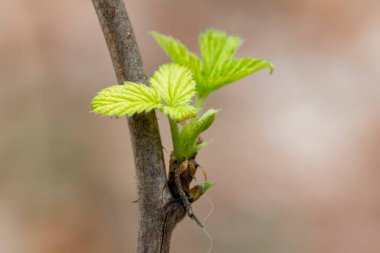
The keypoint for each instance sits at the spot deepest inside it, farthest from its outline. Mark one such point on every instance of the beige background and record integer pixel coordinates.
(295, 156)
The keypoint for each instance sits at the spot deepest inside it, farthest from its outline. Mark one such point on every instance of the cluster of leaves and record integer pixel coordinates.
(180, 88)
(218, 65)
(171, 91)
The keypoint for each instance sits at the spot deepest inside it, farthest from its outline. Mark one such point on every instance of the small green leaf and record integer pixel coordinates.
(204, 122)
(219, 65)
(174, 84)
(216, 48)
(195, 127)
(188, 137)
(231, 71)
(206, 186)
(127, 99)
(177, 51)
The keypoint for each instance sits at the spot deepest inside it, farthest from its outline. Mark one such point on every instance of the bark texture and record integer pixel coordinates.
(158, 212)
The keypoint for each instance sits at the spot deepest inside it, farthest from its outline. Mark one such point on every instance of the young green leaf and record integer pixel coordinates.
(127, 99)
(174, 84)
(188, 137)
(177, 51)
(206, 186)
(230, 71)
(218, 66)
(205, 121)
(217, 48)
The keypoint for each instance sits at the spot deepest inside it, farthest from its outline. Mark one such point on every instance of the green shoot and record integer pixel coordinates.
(179, 89)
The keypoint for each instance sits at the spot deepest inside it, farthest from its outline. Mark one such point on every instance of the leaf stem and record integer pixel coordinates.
(199, 103)
(175, 137)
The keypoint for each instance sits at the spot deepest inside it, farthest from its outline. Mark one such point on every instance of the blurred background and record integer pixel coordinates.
(295, 156)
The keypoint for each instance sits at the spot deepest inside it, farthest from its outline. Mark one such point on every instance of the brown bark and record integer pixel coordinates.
(158, 213)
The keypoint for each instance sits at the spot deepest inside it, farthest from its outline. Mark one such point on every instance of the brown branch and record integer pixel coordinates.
(158, 213)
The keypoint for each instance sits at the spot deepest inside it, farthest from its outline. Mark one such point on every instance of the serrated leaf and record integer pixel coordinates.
(177, 51)
(126, 99)
(230, 71)
(218, 67)
(216, 48)
(174, 84)
(179, 113)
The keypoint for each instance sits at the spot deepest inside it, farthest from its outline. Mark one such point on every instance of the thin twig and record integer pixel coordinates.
(185, 200)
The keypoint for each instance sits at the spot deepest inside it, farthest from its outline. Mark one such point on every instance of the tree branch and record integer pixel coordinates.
(158, 213)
